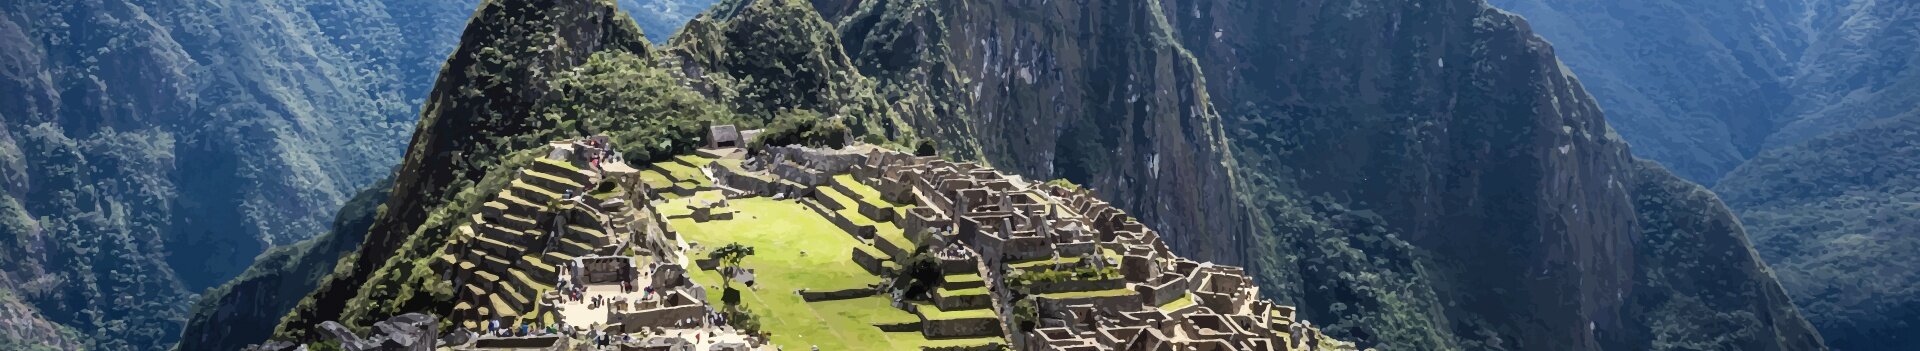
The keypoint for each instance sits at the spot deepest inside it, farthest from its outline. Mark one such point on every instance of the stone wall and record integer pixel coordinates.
(959, 265)
(961, 302)
(1139, 269)
(813, 295)
(920, 220)
(866, 261)
(825, 160)
(520, 343)
(633, 322)
(1076, 248)
(599, 270)
(877, 213)
(1117, 304)
(888, 247)
(743, 182)
(993, 346)
(863, 232)
(798, 174)
(1075, 285)
(1161, 294)
(960, 328)
(1023, 248)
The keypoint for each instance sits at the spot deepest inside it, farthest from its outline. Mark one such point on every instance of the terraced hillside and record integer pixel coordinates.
(848, 258)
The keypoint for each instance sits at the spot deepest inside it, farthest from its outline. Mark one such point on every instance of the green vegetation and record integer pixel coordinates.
(730, 257)
(772, 58)
(932, 312)
(802, 127)
(281, 272)
(1064, 184)
(978, 290)
(1835, 219)
(1184, 301)
(812, 254)
(188, 138)
(1085, 294)
(476, 131)
(1021, 277)
(1699, 299)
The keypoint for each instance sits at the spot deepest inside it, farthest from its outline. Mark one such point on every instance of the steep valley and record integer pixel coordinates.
(1779, 105)
(154, 148)
(1443, 185)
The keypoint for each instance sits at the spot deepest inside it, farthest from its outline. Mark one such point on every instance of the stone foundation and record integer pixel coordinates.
(1075, 285)
(960, 328)
(855, 293)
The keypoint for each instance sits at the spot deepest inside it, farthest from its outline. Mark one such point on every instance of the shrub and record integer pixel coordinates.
(802, 127)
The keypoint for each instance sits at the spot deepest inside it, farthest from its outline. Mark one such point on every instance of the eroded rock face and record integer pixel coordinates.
(1088, 91)
(1461, 130)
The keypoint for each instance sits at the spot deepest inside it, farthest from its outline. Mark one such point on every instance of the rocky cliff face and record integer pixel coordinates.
(1693, 85)
(1825, 85)
(153, 148)
(1094, 92)
(1461, 131)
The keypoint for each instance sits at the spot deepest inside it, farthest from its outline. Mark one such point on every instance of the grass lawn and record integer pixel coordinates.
(1182, 302)
(678, 206)
(934, 312)
(883, 230)
(964, 292)
(682, 172)
(864, 193)
(1095, 293)
(1044, 262)
(778, 231)
(963, 278)
(694, 160)
(654, 179)
(837, 197)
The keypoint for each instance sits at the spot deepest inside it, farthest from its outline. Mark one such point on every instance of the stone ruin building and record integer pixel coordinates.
(1043, 267)
(554, 212)
(979, 220)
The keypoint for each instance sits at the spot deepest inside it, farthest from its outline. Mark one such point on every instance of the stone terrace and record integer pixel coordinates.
(1097, 278)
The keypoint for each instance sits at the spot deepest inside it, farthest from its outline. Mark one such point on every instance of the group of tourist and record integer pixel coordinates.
(495, 329)
(602, 340)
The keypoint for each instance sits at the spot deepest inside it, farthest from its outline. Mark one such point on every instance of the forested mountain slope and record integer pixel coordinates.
(1694, 85)
(1445, 184)
(1837, 216)
(1439, 150)
(153, 148)
(1859, 67)
(661, 18)
(482, 102)
(1801, 76)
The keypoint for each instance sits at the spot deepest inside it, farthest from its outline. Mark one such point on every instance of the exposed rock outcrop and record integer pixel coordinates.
(1092, 92)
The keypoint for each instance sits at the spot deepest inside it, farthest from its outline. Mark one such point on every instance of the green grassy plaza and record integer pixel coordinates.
(780, 232)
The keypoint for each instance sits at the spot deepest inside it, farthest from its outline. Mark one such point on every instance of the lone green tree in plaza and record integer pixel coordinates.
(730, 257)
